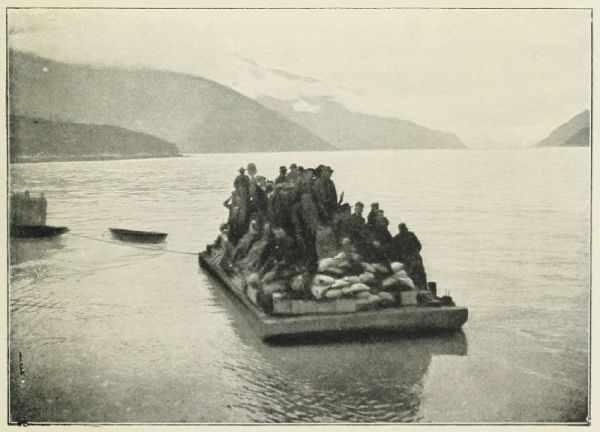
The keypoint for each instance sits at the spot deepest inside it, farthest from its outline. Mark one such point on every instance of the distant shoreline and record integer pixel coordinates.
(113, 158)
(93, 159)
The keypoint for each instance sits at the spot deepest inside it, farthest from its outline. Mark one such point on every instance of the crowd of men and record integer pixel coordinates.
(293, 221)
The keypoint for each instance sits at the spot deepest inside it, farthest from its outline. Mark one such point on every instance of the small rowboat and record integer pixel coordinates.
(138, 236)
(36, 231)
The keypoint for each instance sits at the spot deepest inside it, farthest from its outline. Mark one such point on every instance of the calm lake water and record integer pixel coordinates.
(114, 333)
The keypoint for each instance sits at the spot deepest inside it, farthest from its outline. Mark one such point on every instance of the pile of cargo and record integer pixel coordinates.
(338, 277)
(298, 249)
(345, 284)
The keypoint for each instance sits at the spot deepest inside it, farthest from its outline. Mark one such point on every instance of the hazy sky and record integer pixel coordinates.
(488, 75)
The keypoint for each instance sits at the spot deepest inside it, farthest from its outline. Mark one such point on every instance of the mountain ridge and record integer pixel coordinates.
(573, 133)
(197, 114)
(40, 140)
(349, 130)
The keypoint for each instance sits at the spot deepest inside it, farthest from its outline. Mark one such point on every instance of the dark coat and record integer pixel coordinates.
(380, 232)
(406, 244)
(371, 218)
(342, 226)
(258, 199)
(326, 196)
(281, 249)
(292, 176)
(305, 217)
(406, 248)
(280, 178)
(278, 212)
(357, 229)
(280, 206)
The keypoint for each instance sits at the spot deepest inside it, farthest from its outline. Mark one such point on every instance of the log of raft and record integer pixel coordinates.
(402, 319)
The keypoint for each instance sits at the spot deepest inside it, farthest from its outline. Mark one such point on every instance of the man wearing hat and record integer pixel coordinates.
(342, 222)
(373, 215)
(358, 209)
(325, 194)
(242, 184)
(292, 176)
(242, 191)
(357, 227)
(318, 170)
(281, 177)
(242, 179)
(358, 221)
(257, 204)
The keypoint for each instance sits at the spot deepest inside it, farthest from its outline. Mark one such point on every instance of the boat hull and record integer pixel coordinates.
(405, 319)
(36, 231)
(138, 236)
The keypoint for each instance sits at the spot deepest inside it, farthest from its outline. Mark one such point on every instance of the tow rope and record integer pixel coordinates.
(118, 243)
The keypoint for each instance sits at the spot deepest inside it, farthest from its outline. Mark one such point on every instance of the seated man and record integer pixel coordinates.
(222, 248)
(379, 231)
(279, 253)
(342, 223)
(357, 229)
(256, 255)
(358, 210)
(246, 242)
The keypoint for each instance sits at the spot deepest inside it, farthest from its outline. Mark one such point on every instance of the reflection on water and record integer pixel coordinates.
(113, 332)
(310, 381)
(22, 250)
(388, 389)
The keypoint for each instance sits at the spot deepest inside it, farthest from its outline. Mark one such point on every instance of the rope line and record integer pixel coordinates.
(132, 245)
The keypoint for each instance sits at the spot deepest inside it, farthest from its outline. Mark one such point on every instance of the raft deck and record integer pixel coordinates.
(403, 319)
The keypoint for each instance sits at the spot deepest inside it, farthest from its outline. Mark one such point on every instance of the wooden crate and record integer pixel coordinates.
(408, 298)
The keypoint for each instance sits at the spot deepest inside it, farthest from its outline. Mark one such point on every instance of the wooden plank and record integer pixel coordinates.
(402, 319)
(305, 307)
